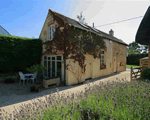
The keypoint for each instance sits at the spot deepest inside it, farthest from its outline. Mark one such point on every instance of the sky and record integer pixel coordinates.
(25, 18)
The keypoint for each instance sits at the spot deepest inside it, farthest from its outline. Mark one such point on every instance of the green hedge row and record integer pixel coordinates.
(134, 59)
(18, 53)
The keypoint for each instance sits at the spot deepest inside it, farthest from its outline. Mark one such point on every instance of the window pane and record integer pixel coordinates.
(45, 65)
(58, 69)
(53, 58)
(45, 57)
(49, 68)
(58, 57)
(102, 52)
(49, 58)
(50, 33)
(53, 68)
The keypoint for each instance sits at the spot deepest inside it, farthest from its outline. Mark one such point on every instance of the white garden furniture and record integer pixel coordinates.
(28, 75)
(34, 76)
(22, 77)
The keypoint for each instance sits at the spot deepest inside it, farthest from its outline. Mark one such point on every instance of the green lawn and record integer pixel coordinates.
(132, 66)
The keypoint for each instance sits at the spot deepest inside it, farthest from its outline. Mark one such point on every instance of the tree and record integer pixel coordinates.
(144, 48)
(81, 18)
(134, 48)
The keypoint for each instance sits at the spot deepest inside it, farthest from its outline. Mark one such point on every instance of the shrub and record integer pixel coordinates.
(32, 88)
(9, 80)
(18, 53)
(36, 68)
(98, 101)
(145, 74)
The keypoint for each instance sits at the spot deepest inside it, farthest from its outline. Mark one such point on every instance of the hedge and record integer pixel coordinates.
(18, 53)
(134, 59)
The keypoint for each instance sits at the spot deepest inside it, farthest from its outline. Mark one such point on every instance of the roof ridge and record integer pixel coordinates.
(62, 15)
(5, 30)
(77, 24)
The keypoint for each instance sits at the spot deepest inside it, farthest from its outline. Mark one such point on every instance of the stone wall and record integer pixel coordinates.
(144, 63)
(119, 52)
(114, 50)
(45, 33)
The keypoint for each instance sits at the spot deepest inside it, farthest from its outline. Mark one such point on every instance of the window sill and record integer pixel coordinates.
(102, 68)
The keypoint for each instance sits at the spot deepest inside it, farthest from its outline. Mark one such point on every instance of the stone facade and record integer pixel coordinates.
(144, 63)
(115, 54)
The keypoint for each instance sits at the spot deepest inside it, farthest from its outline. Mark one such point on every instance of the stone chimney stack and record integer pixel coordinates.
(111, 32)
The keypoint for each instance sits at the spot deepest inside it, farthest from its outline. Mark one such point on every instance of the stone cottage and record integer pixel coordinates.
(114, 58)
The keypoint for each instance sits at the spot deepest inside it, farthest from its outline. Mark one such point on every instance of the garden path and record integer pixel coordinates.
(10, 98)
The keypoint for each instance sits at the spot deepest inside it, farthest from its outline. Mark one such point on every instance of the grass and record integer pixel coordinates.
(132, 66)
(126, 101)
(117, 100)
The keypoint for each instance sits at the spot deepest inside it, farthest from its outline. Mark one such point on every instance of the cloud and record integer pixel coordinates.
(104, 12)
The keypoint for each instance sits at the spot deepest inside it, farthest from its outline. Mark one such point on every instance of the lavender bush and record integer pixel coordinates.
(115, 101)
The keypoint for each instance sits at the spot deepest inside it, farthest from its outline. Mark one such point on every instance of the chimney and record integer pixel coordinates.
(93, 25)
(111, 32)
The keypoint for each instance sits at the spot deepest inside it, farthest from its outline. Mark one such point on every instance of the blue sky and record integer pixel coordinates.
(25, 18)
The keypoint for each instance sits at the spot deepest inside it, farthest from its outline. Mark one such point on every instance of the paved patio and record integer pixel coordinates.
(15, 94)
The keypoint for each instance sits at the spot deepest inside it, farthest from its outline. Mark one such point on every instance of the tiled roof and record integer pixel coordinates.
(88, 28)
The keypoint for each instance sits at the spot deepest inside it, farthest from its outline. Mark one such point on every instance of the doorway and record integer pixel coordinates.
(53, 66)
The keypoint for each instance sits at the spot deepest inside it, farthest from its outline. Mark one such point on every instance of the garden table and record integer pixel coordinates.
(28, 75)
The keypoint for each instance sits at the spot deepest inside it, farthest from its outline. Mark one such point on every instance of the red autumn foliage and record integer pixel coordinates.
(77, 42)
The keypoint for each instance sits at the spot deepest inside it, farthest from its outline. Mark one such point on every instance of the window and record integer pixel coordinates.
(102, 63)
(102, 58)
(51, 32)
(58, 57)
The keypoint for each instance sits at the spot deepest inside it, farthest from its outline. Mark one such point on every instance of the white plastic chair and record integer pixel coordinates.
(34, 76)
(22, 77)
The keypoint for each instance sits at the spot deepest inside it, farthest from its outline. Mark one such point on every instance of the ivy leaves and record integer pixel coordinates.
(78, 43)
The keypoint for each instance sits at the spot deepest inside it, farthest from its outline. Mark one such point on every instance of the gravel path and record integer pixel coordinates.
(22, 95)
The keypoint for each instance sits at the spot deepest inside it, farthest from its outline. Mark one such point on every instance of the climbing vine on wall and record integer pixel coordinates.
(78, 43)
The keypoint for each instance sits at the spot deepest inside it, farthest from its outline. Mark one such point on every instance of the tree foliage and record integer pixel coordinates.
(133, 48)
(81, 18)
(136, 48)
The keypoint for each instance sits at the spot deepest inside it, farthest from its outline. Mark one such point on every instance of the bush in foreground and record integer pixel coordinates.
(100, 101)
(145, 74)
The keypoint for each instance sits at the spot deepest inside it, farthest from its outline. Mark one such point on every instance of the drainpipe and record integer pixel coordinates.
(64, 55)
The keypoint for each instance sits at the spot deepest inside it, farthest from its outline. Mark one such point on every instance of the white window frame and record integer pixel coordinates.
(51, 32)
(102, 62)
(51, 63)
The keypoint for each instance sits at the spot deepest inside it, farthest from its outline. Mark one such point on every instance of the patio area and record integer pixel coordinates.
(13, 93)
